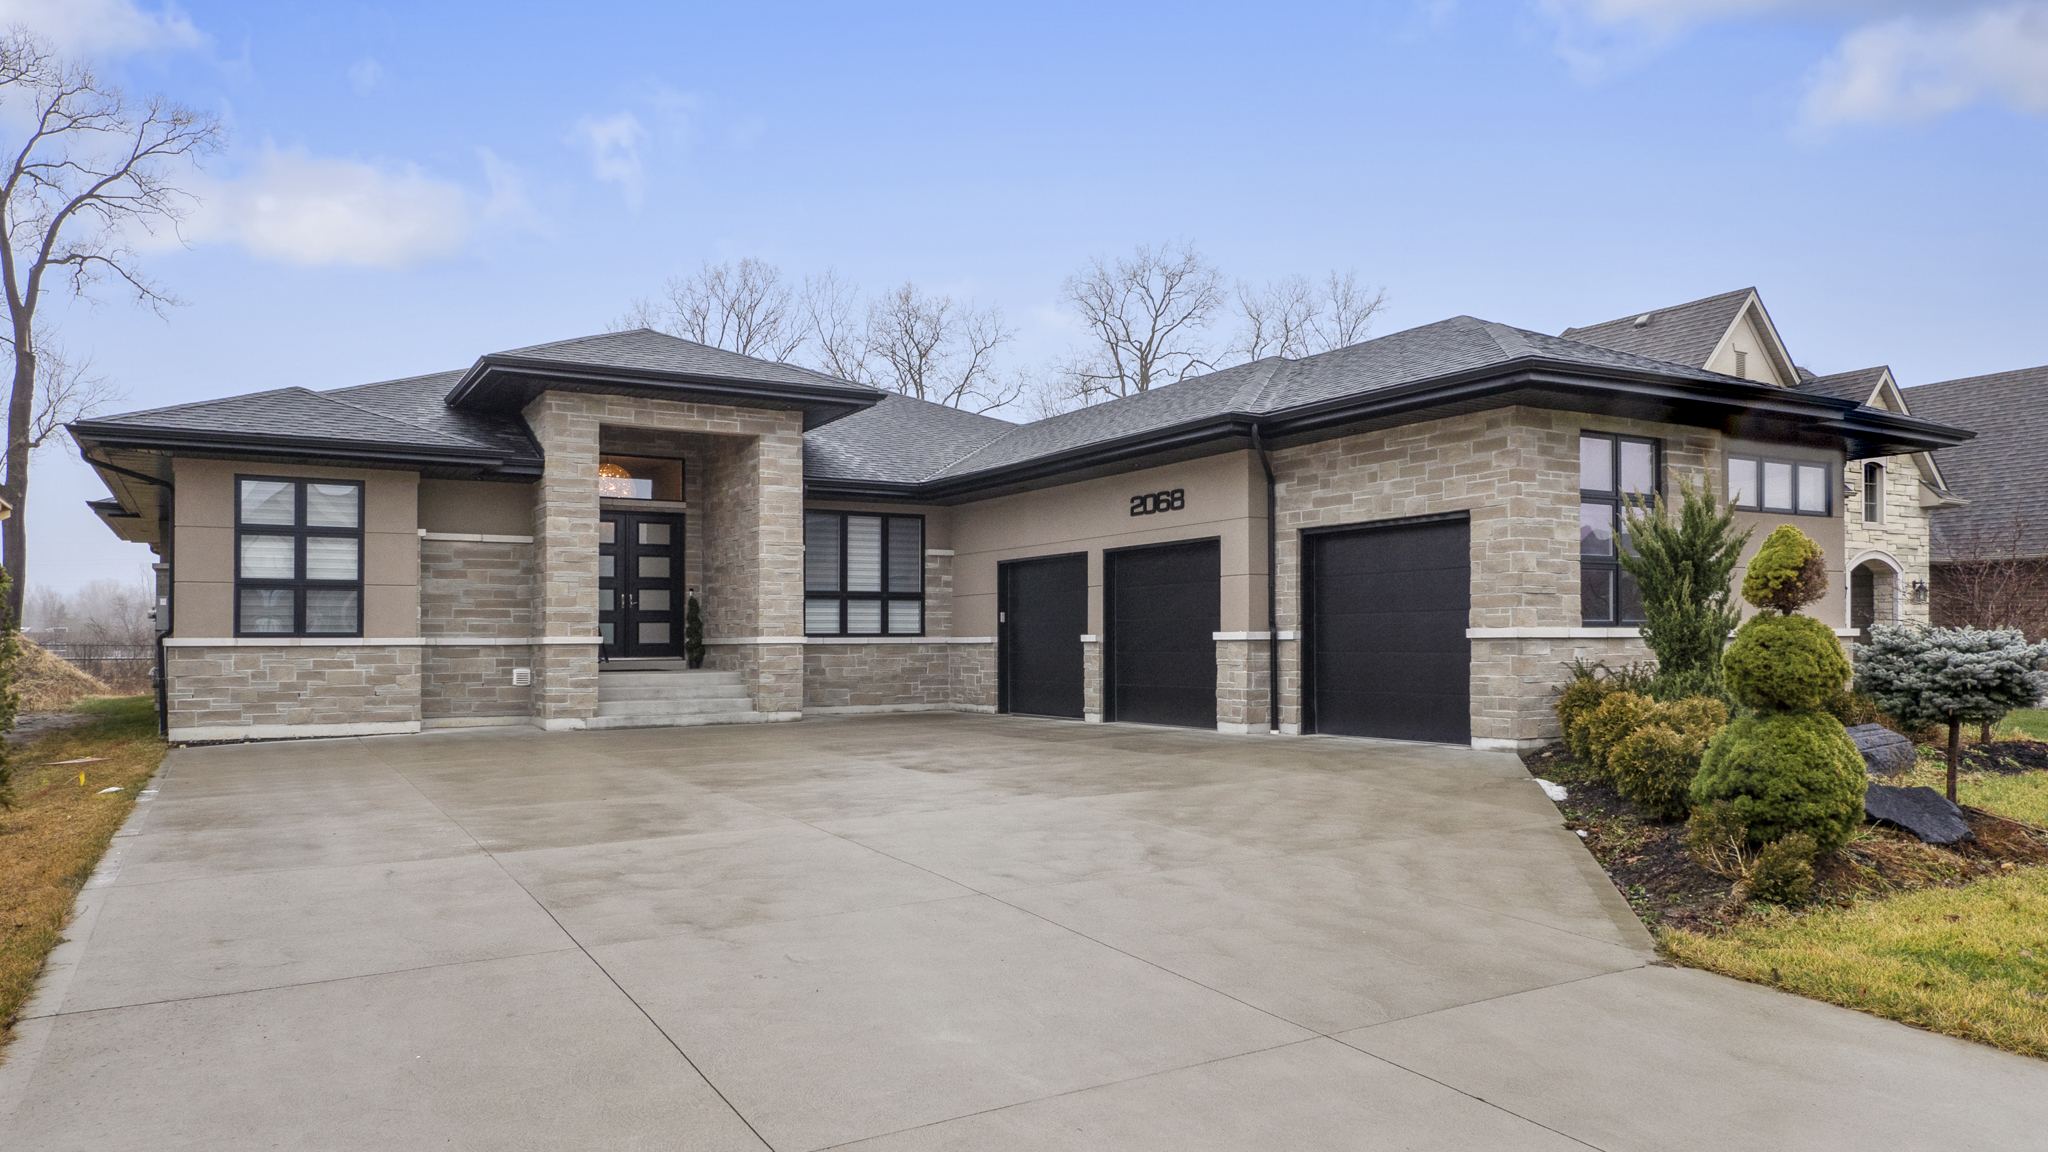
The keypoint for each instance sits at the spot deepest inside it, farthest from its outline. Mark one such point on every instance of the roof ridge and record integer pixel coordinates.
(409, 423)
(1512, 341)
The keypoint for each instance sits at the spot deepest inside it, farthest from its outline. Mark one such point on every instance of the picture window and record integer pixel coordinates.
(298, 557)
(863, 574)
(1793, 487)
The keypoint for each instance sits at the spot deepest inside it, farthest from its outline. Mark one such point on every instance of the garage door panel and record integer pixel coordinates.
(1164, 606)
(1388, 653)
(1045, 611)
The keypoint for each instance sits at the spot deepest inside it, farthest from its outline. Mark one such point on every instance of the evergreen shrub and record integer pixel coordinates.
(1787, 573)
(1654, 765)
(1785, 663)
(1785, 772)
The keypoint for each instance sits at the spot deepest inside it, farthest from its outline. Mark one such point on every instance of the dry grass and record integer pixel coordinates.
(48, 683)
(1970, 961)
(56, 833)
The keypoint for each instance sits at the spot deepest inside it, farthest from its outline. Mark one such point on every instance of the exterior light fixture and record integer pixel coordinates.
(1919, 591)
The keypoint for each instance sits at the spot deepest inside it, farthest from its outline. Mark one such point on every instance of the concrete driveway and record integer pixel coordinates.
(917, 932)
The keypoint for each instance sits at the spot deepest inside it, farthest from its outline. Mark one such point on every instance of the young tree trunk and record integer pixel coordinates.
(14, 530)
(1984, 732)
(1955, 754)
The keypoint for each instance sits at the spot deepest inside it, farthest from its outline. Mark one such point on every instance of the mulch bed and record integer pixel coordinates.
(2006, 757)
(1647, 860)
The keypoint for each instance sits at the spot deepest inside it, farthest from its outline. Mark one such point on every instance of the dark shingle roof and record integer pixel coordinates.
(1857, 385)
(2000, 471)
(298, 412)
(419, 399)
(1685, 334)
(648, 350)
(897, 439)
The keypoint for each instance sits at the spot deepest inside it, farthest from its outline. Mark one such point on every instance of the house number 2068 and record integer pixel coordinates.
(1152, 503)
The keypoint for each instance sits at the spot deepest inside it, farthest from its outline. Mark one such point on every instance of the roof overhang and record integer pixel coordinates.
(1738, 409)
(285, 448)
(507, 384)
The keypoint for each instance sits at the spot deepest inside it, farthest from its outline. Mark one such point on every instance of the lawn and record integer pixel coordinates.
(2032, 722)
(59, 827)
(1970, 961)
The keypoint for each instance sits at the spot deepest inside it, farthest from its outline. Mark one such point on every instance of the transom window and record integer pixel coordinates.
(863, 575)
(1795, 487)
(1873, 493)
(298, 557)
(1613, 470)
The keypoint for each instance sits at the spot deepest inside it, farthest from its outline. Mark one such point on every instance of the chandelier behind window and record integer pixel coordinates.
(614, 481)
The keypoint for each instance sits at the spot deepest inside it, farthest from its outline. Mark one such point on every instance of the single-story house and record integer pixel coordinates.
(1406, 538)
(1990, 555)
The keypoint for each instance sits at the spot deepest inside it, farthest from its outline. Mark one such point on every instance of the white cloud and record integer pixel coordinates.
(509, 207)
(364, 75)
(306, 210)
(103, 27)
(614, 145)
(1910, 69)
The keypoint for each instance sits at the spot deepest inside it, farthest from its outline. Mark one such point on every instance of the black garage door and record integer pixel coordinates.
(1163, 605)
(1043, 606)
(1387, 649)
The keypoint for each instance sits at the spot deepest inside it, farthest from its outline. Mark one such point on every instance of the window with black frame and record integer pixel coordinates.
(298, 557)
(863, 574)
(1613, 472)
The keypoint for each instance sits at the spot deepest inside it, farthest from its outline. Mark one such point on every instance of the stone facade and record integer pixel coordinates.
(1901, 536)
(1241, 686)
(483, 589)
(893, 677)
(243, 692)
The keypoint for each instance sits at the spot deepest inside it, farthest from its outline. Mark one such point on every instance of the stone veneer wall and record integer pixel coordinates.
(753, 521)
(1515, 471)
(898, 675)
(478, 588)
(1903, 535)
(232, 693)
(1241, 686)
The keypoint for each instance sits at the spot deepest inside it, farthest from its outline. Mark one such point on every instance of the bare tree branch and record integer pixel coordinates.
(68, 391)
(835, 328)
(1146, 317)
(1992, 578)
(1293, 318)
(743, 308)
(90, 170)
(938, 350)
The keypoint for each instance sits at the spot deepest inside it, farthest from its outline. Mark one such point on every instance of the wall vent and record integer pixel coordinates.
(521, 677)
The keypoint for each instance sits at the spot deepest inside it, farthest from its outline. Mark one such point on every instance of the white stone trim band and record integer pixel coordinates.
(372, 641)
(938, 551)
(711, 640)
(1576, 633)
(289, 731)
(474, 538)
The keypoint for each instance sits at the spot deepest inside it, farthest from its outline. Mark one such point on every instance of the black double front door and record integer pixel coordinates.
(1042, 608)
(640, 589)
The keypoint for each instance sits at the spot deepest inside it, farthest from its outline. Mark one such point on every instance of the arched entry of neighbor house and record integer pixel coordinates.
(1874, 582)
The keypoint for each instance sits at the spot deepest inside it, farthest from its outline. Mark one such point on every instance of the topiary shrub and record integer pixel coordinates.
(1787, 573)
(1654, 765)
(1606, 726)
(1784, 663)
(1785, 772)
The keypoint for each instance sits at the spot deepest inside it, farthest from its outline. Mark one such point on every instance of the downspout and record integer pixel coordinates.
(1272, 588)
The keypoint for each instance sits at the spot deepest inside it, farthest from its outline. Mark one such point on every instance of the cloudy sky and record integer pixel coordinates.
(411, 186)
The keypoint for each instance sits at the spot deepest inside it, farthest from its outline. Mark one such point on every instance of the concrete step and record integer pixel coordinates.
(649, 678)
(672, 705)
(675, 720)
(608, 691)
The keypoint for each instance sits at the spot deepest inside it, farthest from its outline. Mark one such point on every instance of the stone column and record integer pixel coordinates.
(1241, 686)
(1091, 679)
(565, 551)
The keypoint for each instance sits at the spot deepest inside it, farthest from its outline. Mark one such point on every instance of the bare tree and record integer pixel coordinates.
(1292, 317)
(1147, 316)
(940, 350)
(835, 328)
(743, 308)
(92, 168)
(68, 391)
(1993, 577)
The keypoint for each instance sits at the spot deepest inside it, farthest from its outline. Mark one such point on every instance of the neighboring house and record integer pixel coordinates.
(1990, 557)
(1880, 559)
(1405, 538)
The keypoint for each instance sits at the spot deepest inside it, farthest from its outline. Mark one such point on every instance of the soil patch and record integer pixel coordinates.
(2006, 757)
(1647, 860)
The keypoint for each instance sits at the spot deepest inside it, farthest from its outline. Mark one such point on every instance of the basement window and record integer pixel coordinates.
(863, 574)
(298, 557)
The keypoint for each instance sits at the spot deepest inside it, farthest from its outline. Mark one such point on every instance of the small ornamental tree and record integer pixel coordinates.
(693, 633)
(1921, 676)
(1682, 566)
(1786, 767)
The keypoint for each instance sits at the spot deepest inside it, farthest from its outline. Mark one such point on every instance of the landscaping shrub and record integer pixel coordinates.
(1654, 765)
(1785, 772)
(1682, 565)
(1787, 573)
(1589, 685)
(1782, 872)
(1606, 726)
(1785, 663)
(1927, 676)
